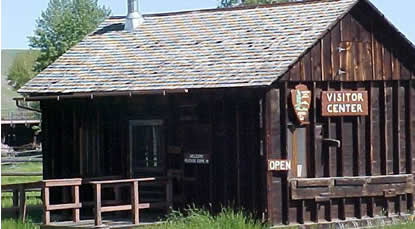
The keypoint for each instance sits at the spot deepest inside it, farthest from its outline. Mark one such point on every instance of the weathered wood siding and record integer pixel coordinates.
(380, 144)
(360, 47)
(361, 52)
(89, 138)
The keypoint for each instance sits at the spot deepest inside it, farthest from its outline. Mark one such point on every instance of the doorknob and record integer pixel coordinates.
(333, 142)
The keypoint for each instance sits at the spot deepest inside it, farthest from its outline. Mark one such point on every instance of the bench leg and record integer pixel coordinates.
(46, 213)
(76, 211)
(135, 203)
(97, 199)
(22, 204)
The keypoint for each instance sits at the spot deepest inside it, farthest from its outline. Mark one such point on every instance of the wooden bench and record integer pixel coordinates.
(135, 204)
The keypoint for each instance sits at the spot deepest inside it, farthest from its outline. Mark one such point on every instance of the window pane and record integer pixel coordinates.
(301, 152)
(146, 146)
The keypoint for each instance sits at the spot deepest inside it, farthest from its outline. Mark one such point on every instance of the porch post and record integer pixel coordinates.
(134, 203)
(75, 211)
(273, 150)
(46, 212)
(98, 217)
(22, 204)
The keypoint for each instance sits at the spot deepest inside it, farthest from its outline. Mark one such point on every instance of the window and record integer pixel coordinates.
(297, 150)
(146, 144)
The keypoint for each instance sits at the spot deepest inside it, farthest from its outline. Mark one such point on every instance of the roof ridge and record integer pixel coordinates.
(236, 8)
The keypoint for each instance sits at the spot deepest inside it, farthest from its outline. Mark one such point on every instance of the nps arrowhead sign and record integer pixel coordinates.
(301, 100)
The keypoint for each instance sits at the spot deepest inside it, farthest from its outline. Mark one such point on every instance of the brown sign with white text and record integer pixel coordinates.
(344, 103)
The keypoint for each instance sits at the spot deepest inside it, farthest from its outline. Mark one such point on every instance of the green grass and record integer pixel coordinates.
(21, 167)
(32, 198)
(16, 224)
(407, 225)
(198, 218)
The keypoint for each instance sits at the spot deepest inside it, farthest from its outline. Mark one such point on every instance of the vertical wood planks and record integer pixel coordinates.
(314, 154)
(378, 58)
(387, 64)
(389, 126)
(238, 155)
(340, 159)
(315, 168)
(316, 62)
(403, 124)
(306, 67)
(396, 126)
(375, 115)
(335, 58)
(383, 131)
(410, 135)
(326, 60)
(295, 73)
(272, 121)
(396, 69)
(284, 153)
(45, 141)
(370, 159)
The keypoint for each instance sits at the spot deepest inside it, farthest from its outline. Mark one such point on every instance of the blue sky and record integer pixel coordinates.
(18, 22)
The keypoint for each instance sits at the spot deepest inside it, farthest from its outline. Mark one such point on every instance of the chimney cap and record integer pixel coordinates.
(134, 18)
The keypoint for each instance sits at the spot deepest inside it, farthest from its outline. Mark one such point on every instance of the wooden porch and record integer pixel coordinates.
(102, 205)
(114, 223)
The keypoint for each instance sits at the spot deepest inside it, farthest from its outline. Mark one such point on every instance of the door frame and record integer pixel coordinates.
(144, 122)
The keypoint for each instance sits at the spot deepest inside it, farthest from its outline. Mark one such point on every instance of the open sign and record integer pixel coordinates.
(279, 165)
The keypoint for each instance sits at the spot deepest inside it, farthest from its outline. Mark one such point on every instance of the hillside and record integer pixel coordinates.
(7, 92)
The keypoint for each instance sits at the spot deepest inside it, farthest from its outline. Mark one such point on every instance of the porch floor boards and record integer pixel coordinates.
(112, 223)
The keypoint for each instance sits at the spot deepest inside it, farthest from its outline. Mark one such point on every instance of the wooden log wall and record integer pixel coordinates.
(361, 52)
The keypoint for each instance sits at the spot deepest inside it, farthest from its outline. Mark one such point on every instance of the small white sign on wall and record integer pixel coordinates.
(279, 165)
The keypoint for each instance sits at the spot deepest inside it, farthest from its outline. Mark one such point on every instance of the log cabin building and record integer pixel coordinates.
(301, 112)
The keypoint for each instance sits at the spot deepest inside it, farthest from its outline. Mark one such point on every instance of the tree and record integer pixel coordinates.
(21, 69)
(62, 25)
(230, 3)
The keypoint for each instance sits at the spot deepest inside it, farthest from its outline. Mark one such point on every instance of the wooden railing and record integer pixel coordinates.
(19, 196)
(18, 174)
(324, 189)
(135, 204)
(75, 206)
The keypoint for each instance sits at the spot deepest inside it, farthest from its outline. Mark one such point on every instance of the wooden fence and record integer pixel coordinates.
(19, 196)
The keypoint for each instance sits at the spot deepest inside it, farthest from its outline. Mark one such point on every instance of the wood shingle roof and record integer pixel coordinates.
(246, 47)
